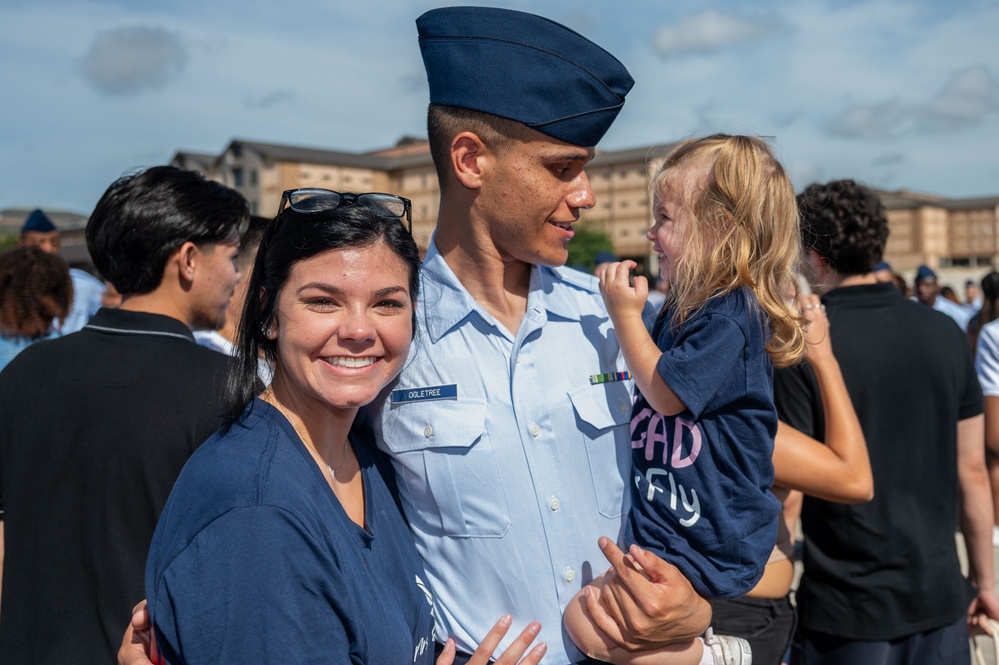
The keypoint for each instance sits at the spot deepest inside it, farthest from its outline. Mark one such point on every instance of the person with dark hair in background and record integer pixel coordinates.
(95, 426)
(39, 232)
(321, 567)
(35, 291)
(882, 580)
(987, 312)
(223, 339)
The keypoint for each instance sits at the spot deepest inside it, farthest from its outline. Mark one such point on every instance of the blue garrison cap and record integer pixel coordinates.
(604, 257)
(38, 221)
(883, 265)
(522, 67)
(924, 272)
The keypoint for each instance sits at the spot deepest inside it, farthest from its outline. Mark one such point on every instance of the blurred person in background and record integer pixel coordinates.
(223, 340)
(988, 311)
(39, 232)
(987, 366)
(35, 291)
(972, 296)
(928, 290)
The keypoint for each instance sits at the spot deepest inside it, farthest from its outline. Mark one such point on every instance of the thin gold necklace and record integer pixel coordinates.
(346, 444)
(305, 441)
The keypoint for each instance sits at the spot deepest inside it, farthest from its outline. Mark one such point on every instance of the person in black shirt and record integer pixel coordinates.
(95, 426)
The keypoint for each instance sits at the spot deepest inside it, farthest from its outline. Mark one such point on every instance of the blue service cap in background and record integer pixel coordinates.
(38, 221)
(604, 257)
(522, 67)
(924, 272)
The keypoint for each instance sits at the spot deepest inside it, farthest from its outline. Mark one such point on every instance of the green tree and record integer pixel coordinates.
(589, 239)
(8, 240)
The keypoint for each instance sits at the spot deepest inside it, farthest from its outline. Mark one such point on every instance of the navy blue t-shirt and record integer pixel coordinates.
(700, 492)
(255, 561)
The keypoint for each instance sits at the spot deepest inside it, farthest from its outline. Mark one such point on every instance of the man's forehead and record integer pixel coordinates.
(552, 149)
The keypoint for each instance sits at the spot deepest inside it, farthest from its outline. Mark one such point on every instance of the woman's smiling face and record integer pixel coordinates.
(343, 325)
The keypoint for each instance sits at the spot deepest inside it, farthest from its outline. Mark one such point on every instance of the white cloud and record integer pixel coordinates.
(969, 96)
(131, 59)
(868, 121)
(709, 31)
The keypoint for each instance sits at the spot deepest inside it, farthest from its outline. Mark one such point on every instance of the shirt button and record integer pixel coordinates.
(428, 431)
(555, 503)
(570, 574)
(622, 407)
(535, 430)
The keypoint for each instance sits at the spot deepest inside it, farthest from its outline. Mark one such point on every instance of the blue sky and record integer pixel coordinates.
(899, 94)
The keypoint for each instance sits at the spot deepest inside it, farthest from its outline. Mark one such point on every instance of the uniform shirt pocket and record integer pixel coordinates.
(603, 412)
(447, 468)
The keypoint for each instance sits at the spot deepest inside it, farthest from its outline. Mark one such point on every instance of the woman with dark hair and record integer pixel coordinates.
(989, 311)
(281, 541)
(35, 291)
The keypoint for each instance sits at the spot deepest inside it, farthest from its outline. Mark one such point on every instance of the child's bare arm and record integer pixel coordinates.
(625, 304)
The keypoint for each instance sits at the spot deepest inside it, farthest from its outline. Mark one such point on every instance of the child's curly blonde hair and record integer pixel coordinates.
(743, 232)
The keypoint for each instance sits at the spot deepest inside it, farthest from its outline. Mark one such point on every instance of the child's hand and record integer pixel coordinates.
(623, 299)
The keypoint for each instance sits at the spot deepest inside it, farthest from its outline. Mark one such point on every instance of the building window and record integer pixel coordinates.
(253, 177)
(237, 177)
(236, 151)
(955, 262)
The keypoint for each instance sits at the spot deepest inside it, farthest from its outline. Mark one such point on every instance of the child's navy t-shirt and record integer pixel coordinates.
(701, 479)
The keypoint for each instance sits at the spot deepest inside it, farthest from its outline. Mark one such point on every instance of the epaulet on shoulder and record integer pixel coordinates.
(577, 278)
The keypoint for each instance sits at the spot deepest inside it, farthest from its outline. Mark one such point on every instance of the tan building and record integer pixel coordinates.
(957, 237)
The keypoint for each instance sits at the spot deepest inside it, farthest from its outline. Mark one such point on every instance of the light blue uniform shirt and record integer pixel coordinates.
(88, 292)
(961, 315)
(508, 485)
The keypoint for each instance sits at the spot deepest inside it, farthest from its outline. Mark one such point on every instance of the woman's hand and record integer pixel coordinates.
(135, 648)
(818, 344)
(512, 654)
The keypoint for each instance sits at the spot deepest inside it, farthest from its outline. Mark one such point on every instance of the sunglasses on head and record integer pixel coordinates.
(313, 199)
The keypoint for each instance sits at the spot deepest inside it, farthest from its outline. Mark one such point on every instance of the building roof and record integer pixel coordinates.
(194, 161)
(903, 199)
(12, 219)
(291, 153)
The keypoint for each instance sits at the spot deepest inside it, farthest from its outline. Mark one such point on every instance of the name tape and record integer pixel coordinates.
(449, 391)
